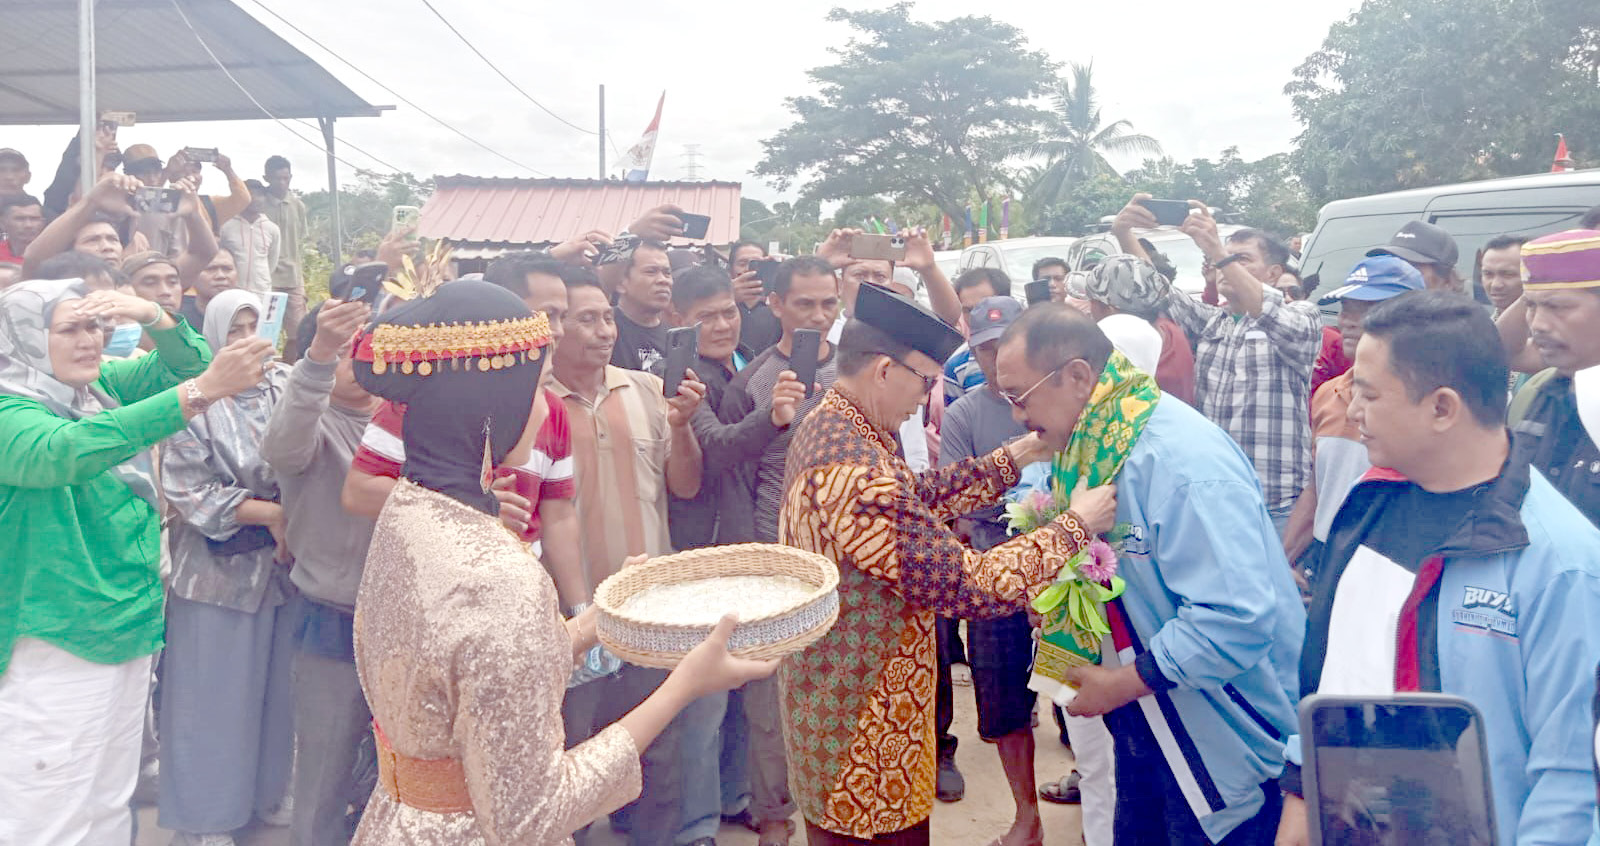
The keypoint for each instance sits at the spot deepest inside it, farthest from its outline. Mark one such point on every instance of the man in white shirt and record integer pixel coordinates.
(255, 242)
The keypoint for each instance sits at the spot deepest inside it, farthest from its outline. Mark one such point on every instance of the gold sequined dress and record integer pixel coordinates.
(462, 654)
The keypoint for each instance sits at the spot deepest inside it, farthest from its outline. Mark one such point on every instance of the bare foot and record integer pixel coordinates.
(1024, 833)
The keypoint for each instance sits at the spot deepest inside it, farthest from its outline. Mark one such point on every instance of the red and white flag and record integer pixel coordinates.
(1563, 161)
(636, 162)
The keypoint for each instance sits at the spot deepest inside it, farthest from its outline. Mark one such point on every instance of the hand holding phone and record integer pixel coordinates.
(806, 345)
(405, 221)
(682, 345)
(695, 226)
(359, 282)
(1167, 212)
(158, 200)
(878, 247)
(766, 270)
(271, 322)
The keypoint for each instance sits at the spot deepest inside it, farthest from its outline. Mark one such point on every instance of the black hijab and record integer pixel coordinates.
(457, 402)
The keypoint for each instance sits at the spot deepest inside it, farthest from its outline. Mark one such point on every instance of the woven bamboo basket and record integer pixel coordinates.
(638, 640)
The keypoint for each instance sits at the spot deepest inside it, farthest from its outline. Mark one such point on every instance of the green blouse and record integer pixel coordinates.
(80, 553)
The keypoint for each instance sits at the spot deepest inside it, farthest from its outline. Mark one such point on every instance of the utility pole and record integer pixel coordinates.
(602, 132)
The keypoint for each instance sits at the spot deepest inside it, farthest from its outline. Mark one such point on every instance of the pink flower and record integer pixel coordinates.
(1040, 501)
(1100, 565)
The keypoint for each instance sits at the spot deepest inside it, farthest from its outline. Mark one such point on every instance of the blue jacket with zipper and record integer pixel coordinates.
(1506, 614)
(1215, 616)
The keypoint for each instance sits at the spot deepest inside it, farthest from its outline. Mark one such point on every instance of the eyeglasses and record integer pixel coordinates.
(1020, 401)
(927, 381)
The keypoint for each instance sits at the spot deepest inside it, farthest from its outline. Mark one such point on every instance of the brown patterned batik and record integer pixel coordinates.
(858, 705)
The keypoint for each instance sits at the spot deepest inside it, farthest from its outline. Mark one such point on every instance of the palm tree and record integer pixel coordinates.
(1077, 144)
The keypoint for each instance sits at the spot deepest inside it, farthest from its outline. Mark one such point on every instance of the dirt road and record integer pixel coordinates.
(983, 815)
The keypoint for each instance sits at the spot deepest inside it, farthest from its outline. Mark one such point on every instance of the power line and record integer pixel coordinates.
(502, 73)
(435, 118)
(264, 110)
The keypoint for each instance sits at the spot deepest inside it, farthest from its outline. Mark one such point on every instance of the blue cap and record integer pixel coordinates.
(988, 320)
(1377, 278)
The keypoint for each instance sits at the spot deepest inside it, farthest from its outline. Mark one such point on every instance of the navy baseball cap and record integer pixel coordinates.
(990, 318)
(1377, 278)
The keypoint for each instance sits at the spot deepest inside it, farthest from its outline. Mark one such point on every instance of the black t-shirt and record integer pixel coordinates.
(1416, 523)
(638, 347)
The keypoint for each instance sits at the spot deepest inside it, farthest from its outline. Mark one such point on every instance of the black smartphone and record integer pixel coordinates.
(682, 343)
(767, 271)
(359, 282)
(695, 226)
(803, 357)
(1382, 769)
(162, 200)
(1167, 212)
(1038, 291)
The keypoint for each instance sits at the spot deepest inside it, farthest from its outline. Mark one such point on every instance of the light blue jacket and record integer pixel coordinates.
(1517, 611)
(1211, 600)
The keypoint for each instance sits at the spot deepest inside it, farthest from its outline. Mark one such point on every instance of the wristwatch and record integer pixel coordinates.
(575, 610)
(195, 398)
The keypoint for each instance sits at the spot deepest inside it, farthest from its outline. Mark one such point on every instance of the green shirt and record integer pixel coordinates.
(80, 554)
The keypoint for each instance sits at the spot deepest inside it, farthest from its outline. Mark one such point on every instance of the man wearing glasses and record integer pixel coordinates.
(1198, 680)
(861, 744)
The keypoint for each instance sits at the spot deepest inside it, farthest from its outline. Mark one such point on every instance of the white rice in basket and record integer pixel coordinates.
(705, 601)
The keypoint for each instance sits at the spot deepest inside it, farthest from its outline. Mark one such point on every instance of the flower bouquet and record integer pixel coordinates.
(1073, 607)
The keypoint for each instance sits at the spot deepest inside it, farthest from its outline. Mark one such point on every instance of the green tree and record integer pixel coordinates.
(1266, 193)
(1085, 201)
(1408, 93)
(366, 209)
(921, 112)
(1077, 140)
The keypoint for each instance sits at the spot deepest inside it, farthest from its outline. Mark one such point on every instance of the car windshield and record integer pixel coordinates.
(1019, 262)
(1186, 257)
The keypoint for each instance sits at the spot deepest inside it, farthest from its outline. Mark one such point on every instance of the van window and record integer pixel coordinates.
(1472, 231)
(1340, 243)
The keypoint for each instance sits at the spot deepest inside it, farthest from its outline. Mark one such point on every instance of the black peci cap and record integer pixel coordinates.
(906, 321)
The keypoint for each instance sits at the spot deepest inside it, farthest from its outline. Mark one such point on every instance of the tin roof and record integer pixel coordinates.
(148, 62)
(519, 213)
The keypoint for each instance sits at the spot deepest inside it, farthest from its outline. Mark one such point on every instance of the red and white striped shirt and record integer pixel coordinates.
(546, 475)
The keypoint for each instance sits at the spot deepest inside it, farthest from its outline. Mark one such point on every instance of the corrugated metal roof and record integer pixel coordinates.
(512, 213)
(147, 61)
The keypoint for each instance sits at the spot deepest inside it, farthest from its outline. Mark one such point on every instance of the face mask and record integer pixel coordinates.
(124, 340)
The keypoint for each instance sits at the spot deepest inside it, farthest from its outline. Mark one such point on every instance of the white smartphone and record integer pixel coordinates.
(271, 322)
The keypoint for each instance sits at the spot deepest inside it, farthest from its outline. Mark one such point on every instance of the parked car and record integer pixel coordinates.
(1472, 212)
(1015, 256)
(1179, 249)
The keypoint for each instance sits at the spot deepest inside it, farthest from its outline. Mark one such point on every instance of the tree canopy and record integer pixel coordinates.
(1408, 93)
(923, 112)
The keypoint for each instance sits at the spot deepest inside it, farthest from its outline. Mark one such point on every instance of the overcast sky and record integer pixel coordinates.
(1198, 77)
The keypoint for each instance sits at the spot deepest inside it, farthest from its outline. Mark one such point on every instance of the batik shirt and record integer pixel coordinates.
(858, 716)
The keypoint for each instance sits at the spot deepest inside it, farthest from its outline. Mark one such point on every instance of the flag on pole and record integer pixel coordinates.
(946, 243)
(894, 228)
(1563, 161)
(983, 223)
(636, 162)
(966, 240)
(1005, 219)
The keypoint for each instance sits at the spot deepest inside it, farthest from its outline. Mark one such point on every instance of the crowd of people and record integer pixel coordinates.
(346, 587)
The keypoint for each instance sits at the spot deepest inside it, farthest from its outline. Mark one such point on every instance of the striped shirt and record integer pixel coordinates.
(548, 473)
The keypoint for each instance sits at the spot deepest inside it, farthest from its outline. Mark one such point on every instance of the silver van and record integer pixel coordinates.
(1472, 212)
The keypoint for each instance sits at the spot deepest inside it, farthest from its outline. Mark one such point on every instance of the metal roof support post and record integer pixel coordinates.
(87, 119)
(333, 190)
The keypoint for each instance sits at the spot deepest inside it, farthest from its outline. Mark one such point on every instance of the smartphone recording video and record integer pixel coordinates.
(880, 247)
